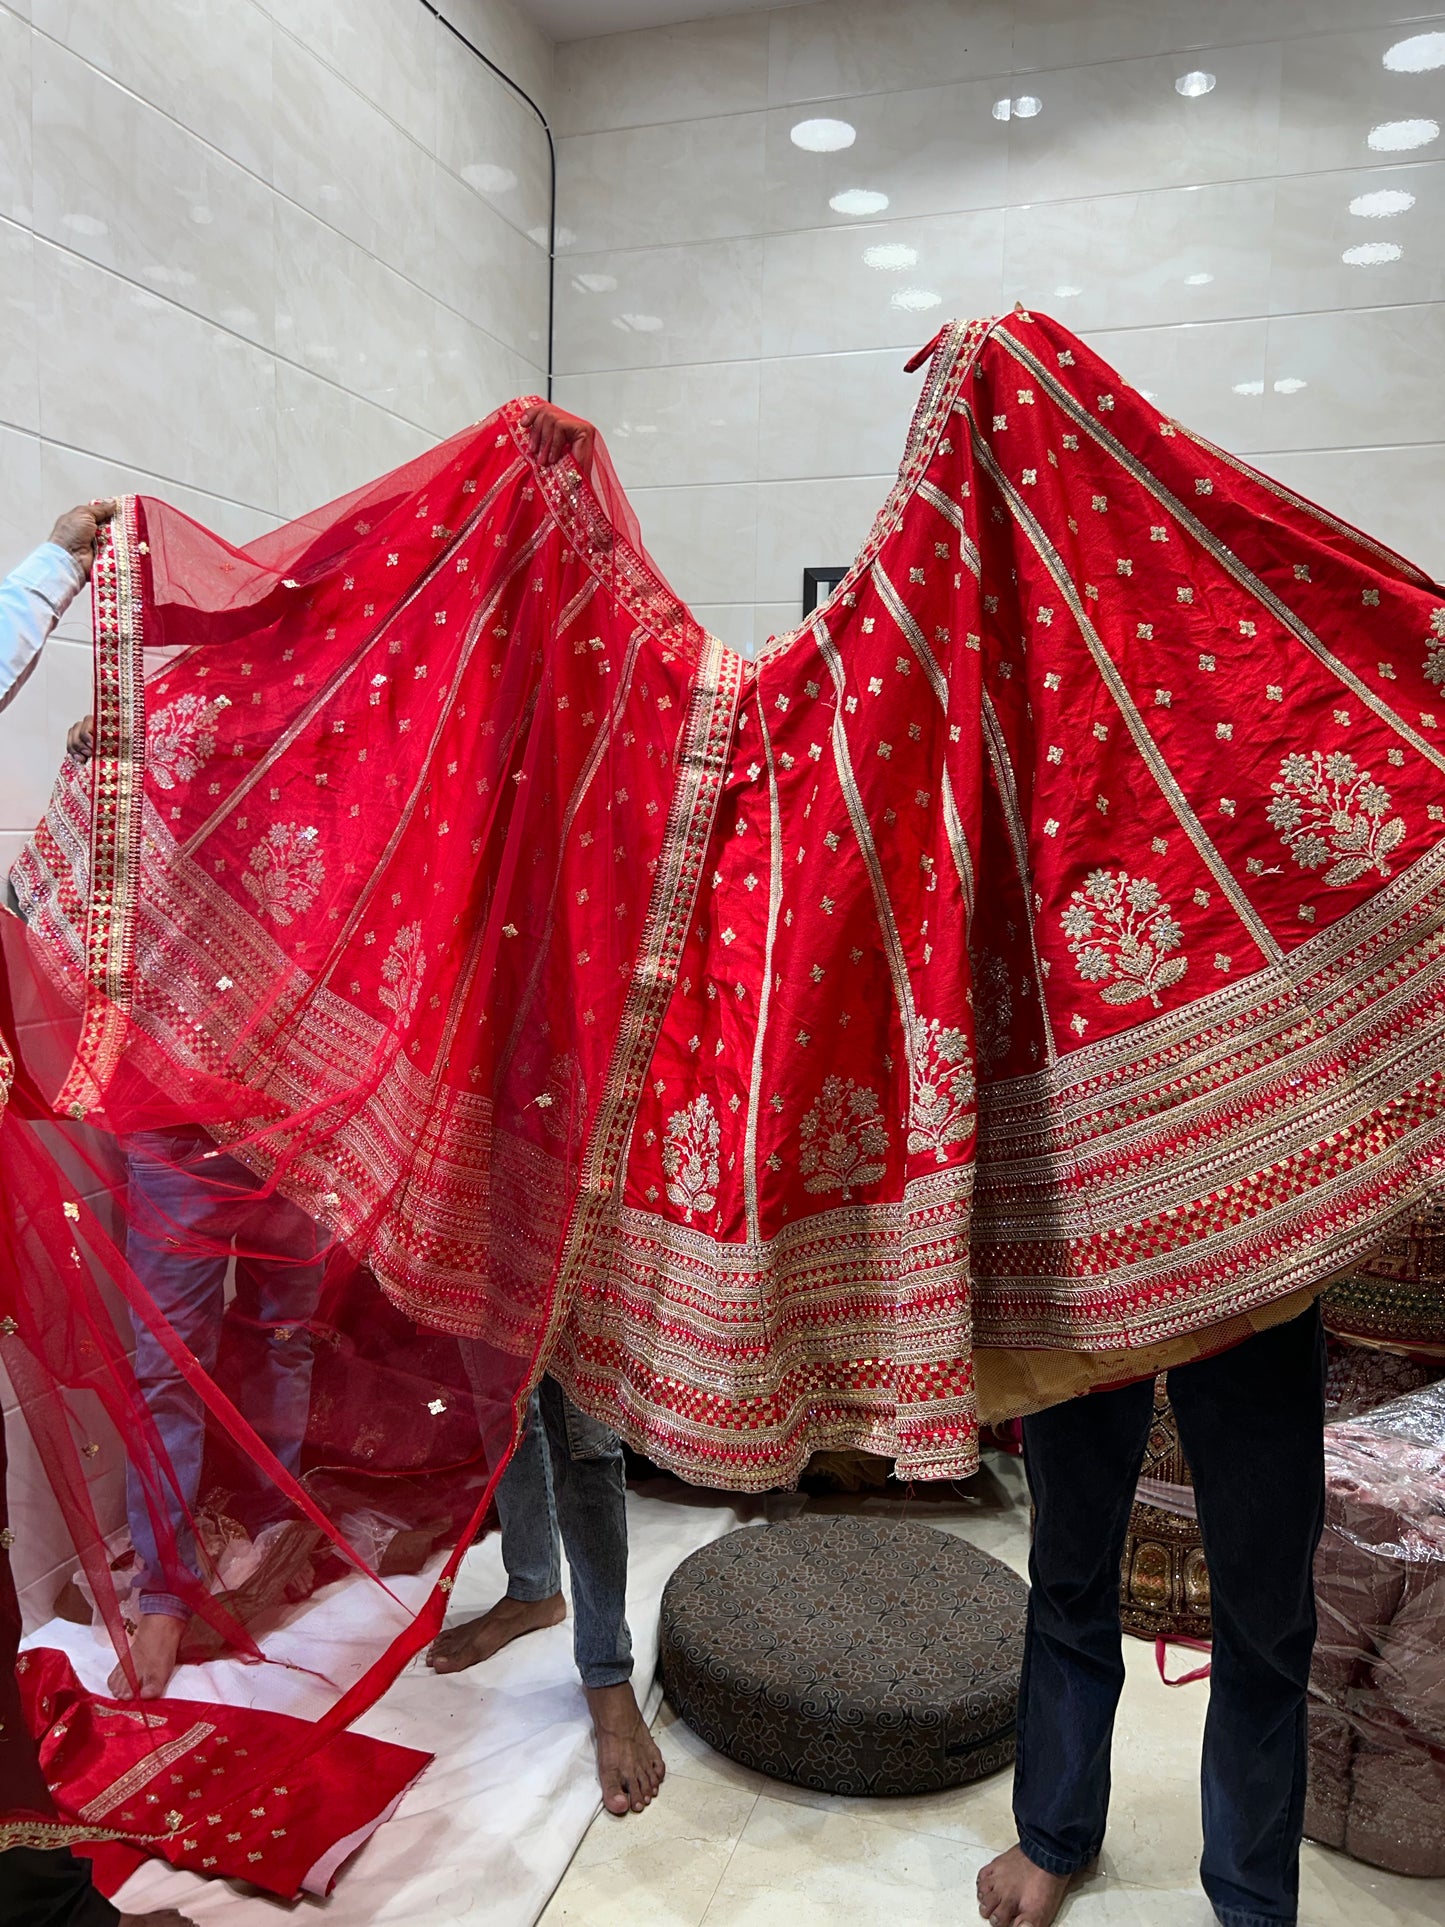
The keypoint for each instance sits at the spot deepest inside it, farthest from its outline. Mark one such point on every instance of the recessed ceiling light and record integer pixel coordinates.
(1384, 201)
(859, 200)
(1192, 85)
(1197, 280)
(1371, 254)
(892, 256)
(1066, 292)
(917, 300)
(1249, 388)
(1290, 385)
(1395, 136)
(1003, 110)
(824, 136)
(1026, 106)
(1420, 54)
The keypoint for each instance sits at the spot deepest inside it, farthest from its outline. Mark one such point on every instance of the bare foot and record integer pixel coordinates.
(628, 1762)
(1013, 1892)
(162, 1917)
(153, 1650)
(468, 1645)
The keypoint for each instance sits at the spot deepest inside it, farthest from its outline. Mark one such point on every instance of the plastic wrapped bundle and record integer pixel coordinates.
(1377, 1709)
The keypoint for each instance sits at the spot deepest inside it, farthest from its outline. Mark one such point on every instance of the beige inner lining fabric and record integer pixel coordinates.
(1011, 1384)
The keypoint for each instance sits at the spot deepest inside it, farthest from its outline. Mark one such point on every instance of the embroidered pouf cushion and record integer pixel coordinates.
(1164, 1582)
(852, 1655)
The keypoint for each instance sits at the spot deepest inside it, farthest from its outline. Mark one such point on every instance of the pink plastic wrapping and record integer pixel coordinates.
(1377, 1691)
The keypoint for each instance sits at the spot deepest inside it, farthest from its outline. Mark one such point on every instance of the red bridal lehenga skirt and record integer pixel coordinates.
(1026, 975)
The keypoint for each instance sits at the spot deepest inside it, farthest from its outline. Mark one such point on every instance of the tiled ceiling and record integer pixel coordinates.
(580, 19)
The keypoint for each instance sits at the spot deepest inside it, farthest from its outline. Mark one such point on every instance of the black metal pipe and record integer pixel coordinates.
(522, 94)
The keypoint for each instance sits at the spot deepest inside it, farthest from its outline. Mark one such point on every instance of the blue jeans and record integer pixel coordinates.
(278, 1282)
(567, 1472)
(1252, 1425)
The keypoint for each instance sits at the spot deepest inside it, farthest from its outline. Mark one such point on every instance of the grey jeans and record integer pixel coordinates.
(567, 1473)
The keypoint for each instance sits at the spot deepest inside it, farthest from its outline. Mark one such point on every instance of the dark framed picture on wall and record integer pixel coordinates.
(819, 584)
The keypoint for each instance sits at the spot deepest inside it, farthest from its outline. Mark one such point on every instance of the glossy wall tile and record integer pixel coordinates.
(1243, 205)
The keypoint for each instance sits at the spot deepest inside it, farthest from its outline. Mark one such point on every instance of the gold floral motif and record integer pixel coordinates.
(1435, 649)
(993, 1009)
(690, 1157)
(1121, 933)
(942, 1088)
(844, 1139)
(1328, 810)
(286, 871)
(402, 972)
(181, 739)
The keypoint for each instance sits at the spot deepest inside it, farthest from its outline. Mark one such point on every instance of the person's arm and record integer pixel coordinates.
(35, 596)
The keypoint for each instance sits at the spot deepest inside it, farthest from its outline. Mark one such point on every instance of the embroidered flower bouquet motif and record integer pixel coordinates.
(1328, 810)
(1435, 649)
(690, 1157)
(1121, 935)
(181, 738)
(402, 972)
(942, 1089)
(844, 1139)
(286, 871)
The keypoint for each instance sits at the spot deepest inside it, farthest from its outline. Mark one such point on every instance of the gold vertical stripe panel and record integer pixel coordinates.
(775, 899)
(1019, 838)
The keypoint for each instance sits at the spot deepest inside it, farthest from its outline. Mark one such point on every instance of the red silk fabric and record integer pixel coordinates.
(1041, 949)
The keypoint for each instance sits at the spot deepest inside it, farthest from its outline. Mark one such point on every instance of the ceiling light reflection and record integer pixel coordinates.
(1192, 85)
(488, 178)
(1003, 110)
(1026, 106)
(824, 136)
(1067, 292)
(859, 200)
(1384, 201)
(1420, 54)
(1372, 254)
(1249, 388)
(917, 300)
(1197, 280)
(595, 283)
(1395, 136)
(891, 256)
(1289, 385)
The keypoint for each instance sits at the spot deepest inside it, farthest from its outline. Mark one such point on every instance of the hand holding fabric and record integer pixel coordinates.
(77, 531)
(554, 433)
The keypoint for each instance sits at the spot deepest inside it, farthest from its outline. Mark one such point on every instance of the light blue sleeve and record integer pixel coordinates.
(33, 598)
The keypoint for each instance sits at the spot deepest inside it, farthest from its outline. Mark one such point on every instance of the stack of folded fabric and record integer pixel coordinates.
(1377, 1701)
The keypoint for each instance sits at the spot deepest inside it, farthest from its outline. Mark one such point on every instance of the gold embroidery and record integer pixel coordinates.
(1120, 933)
(844, 1138)
(941, 1089)
(690, 1157)
(1327, 807)
(287, 871)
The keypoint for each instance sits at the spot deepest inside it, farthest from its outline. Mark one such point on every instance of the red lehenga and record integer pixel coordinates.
(1027, 973)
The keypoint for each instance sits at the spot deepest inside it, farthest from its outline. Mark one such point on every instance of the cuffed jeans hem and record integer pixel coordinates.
(165, 1604)
(527, 1593)
(598, 1676)
(1232, 1917)
(1052, 1863)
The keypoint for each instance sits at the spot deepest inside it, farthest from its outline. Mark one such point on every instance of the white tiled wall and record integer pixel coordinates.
(252, 252)
(725, 326)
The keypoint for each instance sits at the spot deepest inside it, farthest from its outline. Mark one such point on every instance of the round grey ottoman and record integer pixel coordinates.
(851, 1655)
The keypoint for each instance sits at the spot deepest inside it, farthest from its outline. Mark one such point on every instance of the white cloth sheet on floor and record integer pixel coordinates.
(488, 1830)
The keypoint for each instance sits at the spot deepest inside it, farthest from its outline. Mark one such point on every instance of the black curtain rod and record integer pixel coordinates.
(522, 94)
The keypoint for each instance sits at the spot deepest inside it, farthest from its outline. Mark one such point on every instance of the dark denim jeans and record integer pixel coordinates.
(567, 1472)
(1252, 1425)
(278, 1283)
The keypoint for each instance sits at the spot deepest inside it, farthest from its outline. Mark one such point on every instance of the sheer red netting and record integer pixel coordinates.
(319, 966)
